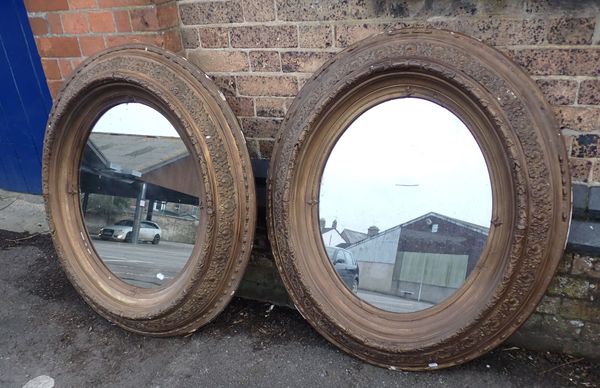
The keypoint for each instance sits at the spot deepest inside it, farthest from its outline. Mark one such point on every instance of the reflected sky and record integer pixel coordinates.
(401, 159)
(135, 119)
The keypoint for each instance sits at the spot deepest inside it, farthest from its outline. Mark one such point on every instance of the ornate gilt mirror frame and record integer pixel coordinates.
(211, 133)
(528, 169)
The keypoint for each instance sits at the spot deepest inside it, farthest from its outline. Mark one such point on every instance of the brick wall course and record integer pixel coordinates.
(265, 61)
(44, 5)
(277, 86)
(555, 44)
(271, 107)
(559, 91)
(211, 12)
(82, 4)
(264, 36)
(260, 53)
(589, 92)
(258, 10)
(220, 61)
(70, 31)
(241, 106)
(315, 36)
(214, 37)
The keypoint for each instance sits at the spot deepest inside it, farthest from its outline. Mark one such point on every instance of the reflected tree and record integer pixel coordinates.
(107, 206)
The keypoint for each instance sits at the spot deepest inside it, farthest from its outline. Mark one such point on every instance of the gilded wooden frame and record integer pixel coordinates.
(208, 127)
(527, 162)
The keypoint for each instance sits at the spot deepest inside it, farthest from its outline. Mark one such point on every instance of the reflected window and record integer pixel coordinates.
(409, 195)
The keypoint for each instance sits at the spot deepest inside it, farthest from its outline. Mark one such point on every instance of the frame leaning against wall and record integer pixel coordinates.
(192, 103)
(528, 168)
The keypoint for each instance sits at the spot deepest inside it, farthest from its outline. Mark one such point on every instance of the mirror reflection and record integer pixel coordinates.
(405, 205)
(139, 195)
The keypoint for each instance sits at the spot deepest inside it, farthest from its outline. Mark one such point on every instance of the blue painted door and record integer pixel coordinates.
(24, 102)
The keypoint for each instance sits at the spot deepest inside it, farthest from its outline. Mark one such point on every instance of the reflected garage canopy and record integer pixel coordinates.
(139, 195)
(405, 205)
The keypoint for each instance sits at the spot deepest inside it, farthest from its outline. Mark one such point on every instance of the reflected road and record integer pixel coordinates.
(392, 303)
(144, 265)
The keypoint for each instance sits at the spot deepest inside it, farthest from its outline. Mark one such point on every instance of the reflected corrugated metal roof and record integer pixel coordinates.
(138, 153)
(353, 236)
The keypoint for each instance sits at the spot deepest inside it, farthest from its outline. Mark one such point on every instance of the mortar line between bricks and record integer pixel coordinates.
(577, 88)
(301, 23)
(259, 74)
(269, 49)
(270, 97)
(275, 118)
(596, 34)
(582, 106)
(105, 34)
(565, 77)
(201, 1)
(95, 9)
(228, 38)
(575, 133)
(521, 13)
(548, 47)
(370, 21)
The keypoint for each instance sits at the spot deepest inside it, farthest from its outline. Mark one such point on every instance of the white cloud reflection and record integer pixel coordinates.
(402, 159)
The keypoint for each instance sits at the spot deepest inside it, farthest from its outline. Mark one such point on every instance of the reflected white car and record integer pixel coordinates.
(122, 231)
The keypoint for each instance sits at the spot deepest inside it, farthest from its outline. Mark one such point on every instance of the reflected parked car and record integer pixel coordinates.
(122, 231)
(345, 265)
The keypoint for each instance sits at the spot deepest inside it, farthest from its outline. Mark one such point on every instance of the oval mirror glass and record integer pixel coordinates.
(139, 194)
(405, 205)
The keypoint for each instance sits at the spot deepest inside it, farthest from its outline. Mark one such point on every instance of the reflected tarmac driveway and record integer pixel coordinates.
(144, 265)
(392, 303)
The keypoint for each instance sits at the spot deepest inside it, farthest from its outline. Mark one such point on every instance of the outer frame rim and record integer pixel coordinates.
(171, 83)
(459, 56)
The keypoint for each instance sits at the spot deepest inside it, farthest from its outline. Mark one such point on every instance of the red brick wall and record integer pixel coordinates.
(260, 52)
(68, 31)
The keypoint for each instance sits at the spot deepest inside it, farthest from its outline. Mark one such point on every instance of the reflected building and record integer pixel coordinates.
(115, 169)
(426, 259)
(352, 237)
(330, 235)
(332, 238)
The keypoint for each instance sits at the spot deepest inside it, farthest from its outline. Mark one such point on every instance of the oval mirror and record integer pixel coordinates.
(149, 191)
(419, 199)
(137, 188)
(408, 194)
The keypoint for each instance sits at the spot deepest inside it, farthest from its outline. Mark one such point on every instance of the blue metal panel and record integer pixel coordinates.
(24, 102)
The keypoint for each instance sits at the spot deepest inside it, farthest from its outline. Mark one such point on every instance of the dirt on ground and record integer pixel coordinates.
(47, 330)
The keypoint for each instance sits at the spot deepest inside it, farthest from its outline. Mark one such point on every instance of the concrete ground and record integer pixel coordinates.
(22, 212)
(48, 332)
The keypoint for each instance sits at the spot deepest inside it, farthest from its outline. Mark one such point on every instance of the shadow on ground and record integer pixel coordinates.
(47, 329)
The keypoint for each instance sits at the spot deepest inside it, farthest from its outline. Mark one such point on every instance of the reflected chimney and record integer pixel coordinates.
(322, 223)
(334, 224)
(372, 231)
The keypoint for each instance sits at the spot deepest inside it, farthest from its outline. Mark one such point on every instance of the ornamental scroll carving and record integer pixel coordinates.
(527, 161)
